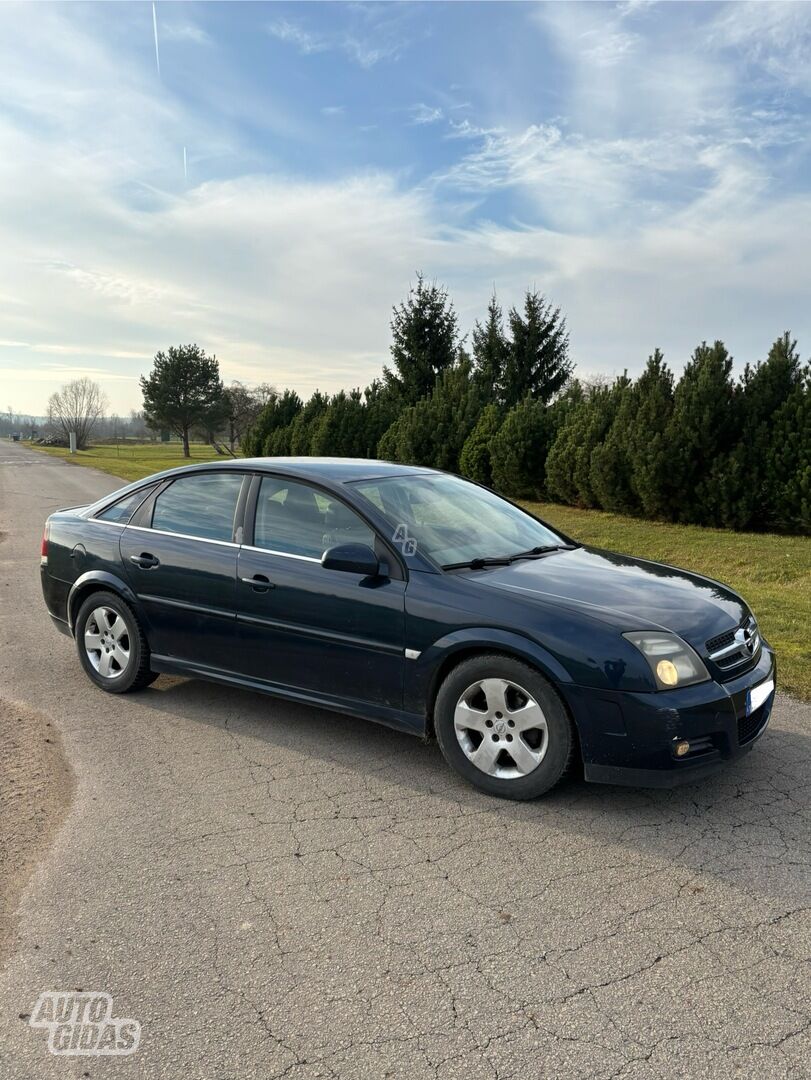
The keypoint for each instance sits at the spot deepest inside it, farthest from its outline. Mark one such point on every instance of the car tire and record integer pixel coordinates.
(111, 644)
(502, 726)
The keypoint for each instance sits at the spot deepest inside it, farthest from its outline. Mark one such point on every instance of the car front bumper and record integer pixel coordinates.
(631, 738)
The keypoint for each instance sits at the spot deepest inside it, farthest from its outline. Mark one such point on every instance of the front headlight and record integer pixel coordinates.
(671, 660)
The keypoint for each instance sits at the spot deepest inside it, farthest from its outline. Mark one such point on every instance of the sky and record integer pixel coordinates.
(268, 182)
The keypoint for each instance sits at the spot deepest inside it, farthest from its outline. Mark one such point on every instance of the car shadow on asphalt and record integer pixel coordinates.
(748, 822)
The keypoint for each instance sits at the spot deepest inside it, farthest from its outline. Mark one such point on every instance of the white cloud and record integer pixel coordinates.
(773, 36)
(377, 40)
(425, 114)
(295, 34)
(183, 31)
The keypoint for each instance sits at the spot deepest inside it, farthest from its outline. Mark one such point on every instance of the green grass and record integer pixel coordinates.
(131, 461)
(771, 572)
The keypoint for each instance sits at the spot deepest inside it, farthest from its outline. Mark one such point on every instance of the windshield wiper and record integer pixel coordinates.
(505, 560)
(478, 564)
(538, 551)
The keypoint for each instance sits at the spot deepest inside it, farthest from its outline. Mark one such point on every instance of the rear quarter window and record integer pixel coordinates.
(121, 511)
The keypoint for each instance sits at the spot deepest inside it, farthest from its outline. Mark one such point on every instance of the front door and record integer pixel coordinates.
(182, 565)
(302, 627)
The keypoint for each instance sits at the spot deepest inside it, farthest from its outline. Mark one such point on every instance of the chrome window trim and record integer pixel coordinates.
(281, 554)
(183, 536)
(101, 521)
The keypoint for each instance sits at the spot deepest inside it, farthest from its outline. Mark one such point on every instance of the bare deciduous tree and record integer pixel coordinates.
(78, 407)
(243, 405)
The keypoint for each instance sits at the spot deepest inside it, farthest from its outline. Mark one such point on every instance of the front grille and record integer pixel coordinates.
(749, 726)
(721, 641)
(735, 647)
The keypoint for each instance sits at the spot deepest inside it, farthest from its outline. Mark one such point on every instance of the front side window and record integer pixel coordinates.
(120, 512)
(453, 521)
(201, 506)
(295, 519)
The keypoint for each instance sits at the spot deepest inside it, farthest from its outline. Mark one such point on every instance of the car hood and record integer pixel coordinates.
(630, 593)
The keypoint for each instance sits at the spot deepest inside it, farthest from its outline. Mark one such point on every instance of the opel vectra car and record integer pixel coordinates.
(420, 600)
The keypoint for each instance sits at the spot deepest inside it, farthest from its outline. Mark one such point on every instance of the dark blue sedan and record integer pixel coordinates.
(420, 600)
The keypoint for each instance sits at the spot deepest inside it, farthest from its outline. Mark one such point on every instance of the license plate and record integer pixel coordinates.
(756, 696)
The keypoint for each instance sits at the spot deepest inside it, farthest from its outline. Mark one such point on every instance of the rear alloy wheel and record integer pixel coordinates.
(112, 648)
(503, 727)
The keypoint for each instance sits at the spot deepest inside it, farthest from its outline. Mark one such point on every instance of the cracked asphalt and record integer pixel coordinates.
(275, 891)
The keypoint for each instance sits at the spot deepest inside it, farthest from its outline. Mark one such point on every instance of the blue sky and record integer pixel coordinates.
(646, 165)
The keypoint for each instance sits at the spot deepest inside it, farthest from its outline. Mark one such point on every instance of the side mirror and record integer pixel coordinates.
(352, 559)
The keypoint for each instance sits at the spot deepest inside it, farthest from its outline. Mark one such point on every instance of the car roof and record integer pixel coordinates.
(334, 470)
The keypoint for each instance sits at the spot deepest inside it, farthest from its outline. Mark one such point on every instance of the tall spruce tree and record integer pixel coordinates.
(647, 436)
(699, 436)
(537, 360)
(424, 341)
(749, 491)
(490, 352)
(611, 466)
(789, 458)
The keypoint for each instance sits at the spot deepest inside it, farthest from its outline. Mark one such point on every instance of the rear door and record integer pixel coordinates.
(303, 627)
(180, 555)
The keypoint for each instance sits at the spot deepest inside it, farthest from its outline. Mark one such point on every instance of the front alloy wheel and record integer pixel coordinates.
(503, 727)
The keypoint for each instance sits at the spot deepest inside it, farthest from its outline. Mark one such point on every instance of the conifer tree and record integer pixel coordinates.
(490, 351)
(278, 413)
(474, 461)
(611, 466)
(520, 449)
(537, 360)
(303, 426)
(699, 436)
(183, 390)
(424, 341)
(433, 431)
(382, 406)
(647, 442)
(788, 458)
(749, 491)
(341, 430)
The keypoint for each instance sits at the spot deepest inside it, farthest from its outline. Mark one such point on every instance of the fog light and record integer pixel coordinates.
(666, 670)
(682, 748)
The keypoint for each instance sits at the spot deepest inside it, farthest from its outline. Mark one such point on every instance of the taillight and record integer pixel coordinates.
(43, 549)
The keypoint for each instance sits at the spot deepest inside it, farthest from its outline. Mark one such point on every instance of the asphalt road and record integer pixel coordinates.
(275, 891)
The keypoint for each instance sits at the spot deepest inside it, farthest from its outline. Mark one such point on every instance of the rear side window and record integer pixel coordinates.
(201, 506)
(295, 519)
(120, 512)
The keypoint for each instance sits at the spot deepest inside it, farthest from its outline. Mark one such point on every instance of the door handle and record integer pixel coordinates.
(259, 583)
(145, 561)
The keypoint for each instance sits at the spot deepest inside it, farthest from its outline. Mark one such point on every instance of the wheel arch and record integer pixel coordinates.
(446, 654)
(98, 581)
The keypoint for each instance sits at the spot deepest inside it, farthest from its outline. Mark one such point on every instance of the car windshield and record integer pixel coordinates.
(452, 521)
